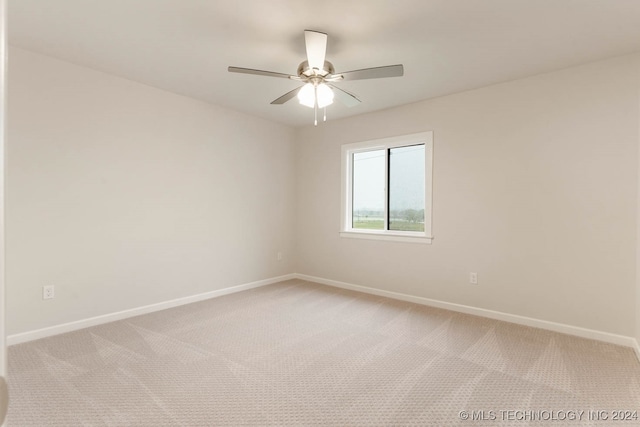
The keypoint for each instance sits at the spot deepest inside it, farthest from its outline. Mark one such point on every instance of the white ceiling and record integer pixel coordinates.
(446, 46)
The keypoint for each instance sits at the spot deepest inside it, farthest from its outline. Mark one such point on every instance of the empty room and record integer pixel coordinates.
(356, 212)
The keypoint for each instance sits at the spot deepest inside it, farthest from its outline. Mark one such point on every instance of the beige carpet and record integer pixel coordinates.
(297, 353)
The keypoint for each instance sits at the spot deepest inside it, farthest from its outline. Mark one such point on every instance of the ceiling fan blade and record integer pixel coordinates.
(347, 98)
(287, 96)
(258, 72)
(373, 73)
(316, 44)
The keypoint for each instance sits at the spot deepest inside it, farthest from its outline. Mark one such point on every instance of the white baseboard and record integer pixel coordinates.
(512, 318)
(112, 317)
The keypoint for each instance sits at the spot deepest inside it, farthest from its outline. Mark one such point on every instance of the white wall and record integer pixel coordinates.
(535, 188)
(122, 195)
(637, 336)
(3, 120)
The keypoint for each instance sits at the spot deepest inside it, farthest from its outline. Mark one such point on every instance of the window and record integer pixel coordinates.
(386, 188)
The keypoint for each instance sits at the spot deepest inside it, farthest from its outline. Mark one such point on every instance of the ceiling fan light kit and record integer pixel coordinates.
(324, 95)
(311, 95)
(307, 95)
(318, 76)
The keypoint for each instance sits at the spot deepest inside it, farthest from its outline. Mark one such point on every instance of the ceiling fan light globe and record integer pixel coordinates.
(307, 95)
(325, 95)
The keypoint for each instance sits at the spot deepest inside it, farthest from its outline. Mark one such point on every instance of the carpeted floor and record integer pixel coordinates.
(297, 353)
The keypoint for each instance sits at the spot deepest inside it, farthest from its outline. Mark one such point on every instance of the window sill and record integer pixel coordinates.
(393, 237)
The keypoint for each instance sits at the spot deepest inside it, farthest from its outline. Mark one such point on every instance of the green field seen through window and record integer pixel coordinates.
(378, 224)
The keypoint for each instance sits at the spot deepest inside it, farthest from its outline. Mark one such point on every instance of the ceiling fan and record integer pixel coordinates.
(318, 76)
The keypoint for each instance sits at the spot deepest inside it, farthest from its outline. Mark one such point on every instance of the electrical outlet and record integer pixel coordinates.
(48, 292)
(473, 278)
(279, 256)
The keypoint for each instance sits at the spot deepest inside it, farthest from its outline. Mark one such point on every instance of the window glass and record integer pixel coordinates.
(369, 190)
(406, 188)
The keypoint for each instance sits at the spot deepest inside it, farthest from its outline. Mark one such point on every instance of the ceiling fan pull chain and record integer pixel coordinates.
(325, 114)
(315, 114)
(315, 105)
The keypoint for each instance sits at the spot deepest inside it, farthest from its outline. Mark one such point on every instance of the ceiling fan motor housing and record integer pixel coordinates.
(305, 71)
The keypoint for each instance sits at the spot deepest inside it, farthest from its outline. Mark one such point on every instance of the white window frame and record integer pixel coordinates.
(346, 216)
